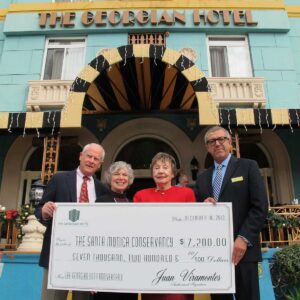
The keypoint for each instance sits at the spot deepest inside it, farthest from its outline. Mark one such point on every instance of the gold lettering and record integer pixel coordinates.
(100, 15)
(114, 17)
(213, 17)
(226, 16)
(43, 19)
(67, 19)
(165, 18)
(179, 17)
(153, 17)
(237, 15)
(87, 18)
(197, 17)
(55, 18)
(249, 19)
(142, 17)
(128, 18)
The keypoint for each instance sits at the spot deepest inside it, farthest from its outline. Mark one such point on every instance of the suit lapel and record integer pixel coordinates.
(209, 178)
(232, 165)
(72, 185)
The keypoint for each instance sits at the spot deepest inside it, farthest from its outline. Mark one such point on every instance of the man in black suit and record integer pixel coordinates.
(242, 185)
(67, 187)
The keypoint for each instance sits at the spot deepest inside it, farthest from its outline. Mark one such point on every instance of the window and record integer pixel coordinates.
(64, 58)
(229, 57)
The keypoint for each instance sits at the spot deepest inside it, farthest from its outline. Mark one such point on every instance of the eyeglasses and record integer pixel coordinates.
(220, 140)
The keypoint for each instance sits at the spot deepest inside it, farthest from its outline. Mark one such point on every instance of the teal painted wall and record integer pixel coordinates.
(294, 36)
(96, 42)
(273, 59)
(21, 61)
(5, 3)
(2, 37)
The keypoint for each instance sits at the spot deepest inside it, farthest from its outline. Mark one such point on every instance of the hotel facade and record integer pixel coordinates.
(147, 76)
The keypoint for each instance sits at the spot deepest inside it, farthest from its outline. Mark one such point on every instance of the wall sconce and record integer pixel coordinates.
(101, 124)
(36, 192)
(194, 165)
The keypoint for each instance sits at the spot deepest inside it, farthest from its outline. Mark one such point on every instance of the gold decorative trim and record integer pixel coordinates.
(293, 11)
(245, 116)
(193, 73)
(141, 50)
(280, 116)
(208, 112)
(71, 115)
(171, 56)
(34, 120)
(88, 74)
(130, 5)
(4, 119)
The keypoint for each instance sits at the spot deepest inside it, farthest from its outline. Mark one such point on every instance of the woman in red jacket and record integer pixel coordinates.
(163, 169)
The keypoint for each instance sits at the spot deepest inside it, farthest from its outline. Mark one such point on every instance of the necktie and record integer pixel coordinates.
(84, 196)
(217, 182)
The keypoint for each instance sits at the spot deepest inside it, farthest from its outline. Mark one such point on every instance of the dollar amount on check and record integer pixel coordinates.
(144, 248)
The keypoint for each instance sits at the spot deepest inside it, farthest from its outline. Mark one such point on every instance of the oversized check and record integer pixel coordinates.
(143, 247)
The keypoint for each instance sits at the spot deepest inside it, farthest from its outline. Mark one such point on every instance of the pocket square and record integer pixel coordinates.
(236, 179)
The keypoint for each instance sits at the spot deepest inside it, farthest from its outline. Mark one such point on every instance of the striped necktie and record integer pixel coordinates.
(217, 182)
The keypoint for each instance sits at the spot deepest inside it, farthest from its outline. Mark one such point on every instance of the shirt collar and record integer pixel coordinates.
(224, 163)
(80, 174)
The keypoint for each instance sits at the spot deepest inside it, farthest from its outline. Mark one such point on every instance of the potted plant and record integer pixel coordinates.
(285, 271)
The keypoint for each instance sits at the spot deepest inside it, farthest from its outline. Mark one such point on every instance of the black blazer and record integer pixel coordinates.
(61, 188)
(242, 186)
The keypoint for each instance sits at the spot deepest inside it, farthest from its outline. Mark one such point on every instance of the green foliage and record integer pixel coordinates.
(293, 294)
(285, 270)
(18, 217)
(278, 221)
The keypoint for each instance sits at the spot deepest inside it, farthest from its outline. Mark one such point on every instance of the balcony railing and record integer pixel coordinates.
(282, 227)
(225, 91)
(47, 94)
(238, 92)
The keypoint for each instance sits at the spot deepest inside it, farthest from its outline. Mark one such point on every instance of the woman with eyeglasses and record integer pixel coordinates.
(163, 169)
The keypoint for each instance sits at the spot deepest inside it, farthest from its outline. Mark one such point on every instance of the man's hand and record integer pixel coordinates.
(239, 250)
(48, 210)
(210, 200)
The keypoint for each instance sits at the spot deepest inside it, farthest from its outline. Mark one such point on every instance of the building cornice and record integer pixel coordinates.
(293, 11)
(3, 13)
(131, 5)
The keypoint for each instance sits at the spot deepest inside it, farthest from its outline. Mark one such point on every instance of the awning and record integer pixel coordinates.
(143, 78)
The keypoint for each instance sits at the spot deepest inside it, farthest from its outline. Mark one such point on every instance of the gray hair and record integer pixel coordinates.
(214, 129)
(115, 167)
(164, 157)
(86, 147)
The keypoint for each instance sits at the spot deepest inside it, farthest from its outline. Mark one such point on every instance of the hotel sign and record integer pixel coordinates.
(102, 18)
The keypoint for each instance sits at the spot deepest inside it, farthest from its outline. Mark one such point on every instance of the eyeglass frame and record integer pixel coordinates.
(221, 140)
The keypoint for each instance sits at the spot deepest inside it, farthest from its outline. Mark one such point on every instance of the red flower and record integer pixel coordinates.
(10, 214)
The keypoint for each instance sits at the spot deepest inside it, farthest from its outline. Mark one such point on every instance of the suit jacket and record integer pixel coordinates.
(242, 186)
(61, 188)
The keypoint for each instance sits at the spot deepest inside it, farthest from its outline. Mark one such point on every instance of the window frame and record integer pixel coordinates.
(47, 44)
(226, 40)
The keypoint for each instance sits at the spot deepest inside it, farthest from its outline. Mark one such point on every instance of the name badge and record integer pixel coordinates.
(237, 179)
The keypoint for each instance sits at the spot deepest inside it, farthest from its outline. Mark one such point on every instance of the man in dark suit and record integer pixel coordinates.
(68, 187)
(241, 184)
